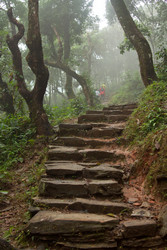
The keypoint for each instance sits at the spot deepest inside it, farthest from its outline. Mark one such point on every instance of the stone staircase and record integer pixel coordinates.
(81, 203)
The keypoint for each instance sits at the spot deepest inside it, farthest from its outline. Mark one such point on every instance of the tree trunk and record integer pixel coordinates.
(138, 40)
(34, 98)
(79, 78)
(68, 87)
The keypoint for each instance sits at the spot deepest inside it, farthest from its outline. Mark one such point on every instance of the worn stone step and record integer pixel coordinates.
(117, 118)
(118, 112)
(74, 170)
(88, 205)
(81, 142)
(95, 246)
(121, 107)
(94, 112)
(96, 132)
(92, 118)
(111, 112)
(79, 188)
(72, 153)
(139, 228)
(101, 118)
(52, 223)
(64, 153)
(108, 132)
(85, 164)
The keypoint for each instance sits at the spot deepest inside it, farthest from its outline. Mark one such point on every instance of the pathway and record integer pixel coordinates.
(81, 199)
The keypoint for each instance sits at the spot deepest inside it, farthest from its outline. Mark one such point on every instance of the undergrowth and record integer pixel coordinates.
(68, 110)
(15, 132)
(147, 130)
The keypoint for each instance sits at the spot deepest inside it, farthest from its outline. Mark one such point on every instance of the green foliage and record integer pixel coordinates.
(15, 131)
(161, 65)
(150, 115)
(147, 129)
(69, 109)
(130, 90)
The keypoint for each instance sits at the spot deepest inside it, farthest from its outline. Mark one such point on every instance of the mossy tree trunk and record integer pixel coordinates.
(138, 40)
(34, 98)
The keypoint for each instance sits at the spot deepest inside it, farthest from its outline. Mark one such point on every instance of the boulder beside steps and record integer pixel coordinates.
(80, 203)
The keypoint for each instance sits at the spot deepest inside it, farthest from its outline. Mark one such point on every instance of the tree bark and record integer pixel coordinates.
(68, 87)
(138, 40)
(34, 98)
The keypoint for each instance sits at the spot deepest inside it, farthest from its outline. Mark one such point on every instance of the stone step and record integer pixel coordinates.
(105, 132)
(95, 246)
(85, 164)
(139, 228)
(72, 153)
(74, 170)
(118, 112)
(111, 112)
(121, 107)
(101, 118)
(87, 205)
(54, 188)
(51, 223)
(89, 143)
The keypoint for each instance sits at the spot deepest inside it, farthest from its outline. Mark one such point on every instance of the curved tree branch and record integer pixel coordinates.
(16, 55)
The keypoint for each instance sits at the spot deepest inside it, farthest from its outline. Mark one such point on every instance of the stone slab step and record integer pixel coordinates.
(79, 188)
(72, 153)
(118, 112)
(74, 170)
(143, 243)
(81, 142)
(121, 107)
(103, 132)
(92, 118)
(95, 246)
(109, 132)
(80, 204)
(111, 112)
(55, 223)
(85, 164)
(101, 118)
(139, 228)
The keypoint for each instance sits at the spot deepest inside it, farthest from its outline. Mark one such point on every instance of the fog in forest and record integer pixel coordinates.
(90, 44)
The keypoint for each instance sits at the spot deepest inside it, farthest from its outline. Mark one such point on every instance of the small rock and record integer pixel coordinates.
(132, 200)
(141, 213)
(145, 204)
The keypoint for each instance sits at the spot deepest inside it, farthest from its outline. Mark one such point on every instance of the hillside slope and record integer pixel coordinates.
(147, 132)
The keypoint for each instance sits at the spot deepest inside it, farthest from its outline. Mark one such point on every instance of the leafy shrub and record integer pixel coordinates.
(15, 131)
(150, 114)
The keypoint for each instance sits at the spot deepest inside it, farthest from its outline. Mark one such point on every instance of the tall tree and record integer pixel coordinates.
(33, 98)
(138, 40)
(66, 21)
